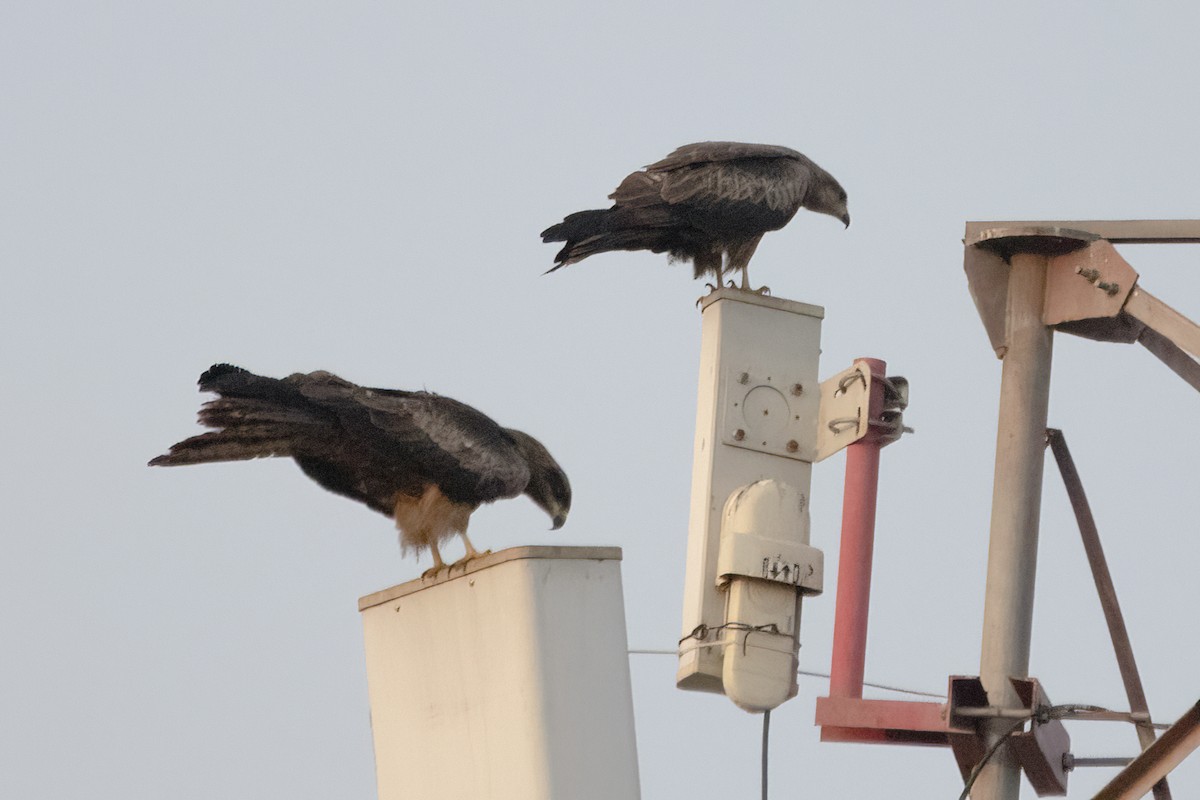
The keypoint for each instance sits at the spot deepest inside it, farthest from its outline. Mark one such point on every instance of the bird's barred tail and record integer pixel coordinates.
(256, 417)
(210, 448)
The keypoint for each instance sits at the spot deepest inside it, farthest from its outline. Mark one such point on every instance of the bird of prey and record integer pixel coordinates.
(425, 460)
(702, 202)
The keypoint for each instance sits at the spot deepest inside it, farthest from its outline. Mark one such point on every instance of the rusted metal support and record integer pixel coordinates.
(844, 716)
(1040, 752)
(1107, 591)
(858, 542)
(852, 719)
(1016, 505)
(1152, 766)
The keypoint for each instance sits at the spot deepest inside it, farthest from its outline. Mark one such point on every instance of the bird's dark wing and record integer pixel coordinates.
(639, 190)
(727, 184)
(774, 184)
(463, 451)
(708, 152)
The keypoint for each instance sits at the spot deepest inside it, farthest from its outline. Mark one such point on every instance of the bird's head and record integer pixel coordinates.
(828, 197)
(548, 484)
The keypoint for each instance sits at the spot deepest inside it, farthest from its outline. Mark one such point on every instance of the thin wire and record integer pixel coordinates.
(884, 686)
(1038, 716)
(1080, 711)
(991, 751)
(700, 634)
(1077, 712)
(1066, 711)
(766, 738)
(809, 673)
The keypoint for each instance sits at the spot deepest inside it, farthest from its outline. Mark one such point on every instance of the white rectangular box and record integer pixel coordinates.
(510, 680)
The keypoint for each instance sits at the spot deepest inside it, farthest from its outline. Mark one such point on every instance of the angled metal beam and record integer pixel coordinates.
(1108, 593)
(1152, 765)
(1119, 231)
(1154, 313)
(1091, 291)
(1170, 354)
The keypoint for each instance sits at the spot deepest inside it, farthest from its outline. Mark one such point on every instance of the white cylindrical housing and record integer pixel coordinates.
(508, 681)
(761, 657)
(764, 565)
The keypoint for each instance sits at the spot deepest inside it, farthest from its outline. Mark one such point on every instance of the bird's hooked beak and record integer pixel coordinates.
(845, 218)
(559, 519)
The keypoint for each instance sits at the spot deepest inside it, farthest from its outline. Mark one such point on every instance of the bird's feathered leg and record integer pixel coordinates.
(411, 515)
(739, 258)
(706, 260)
(438, 564)
(472, 553)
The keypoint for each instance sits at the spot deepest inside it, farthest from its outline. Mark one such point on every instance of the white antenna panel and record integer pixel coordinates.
(748, 555)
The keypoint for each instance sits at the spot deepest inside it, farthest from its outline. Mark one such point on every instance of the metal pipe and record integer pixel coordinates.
(1171, 354)
(1075, 762)
(1107, 591)
(858, 544)
(987, 712)
(1016, 504)
(1085, 714)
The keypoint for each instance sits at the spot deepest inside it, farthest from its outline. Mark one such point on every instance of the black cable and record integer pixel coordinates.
(766, 738)
(991, 751)
(1038, 716)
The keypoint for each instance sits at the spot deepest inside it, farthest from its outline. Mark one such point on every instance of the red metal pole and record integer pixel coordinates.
(858, 542)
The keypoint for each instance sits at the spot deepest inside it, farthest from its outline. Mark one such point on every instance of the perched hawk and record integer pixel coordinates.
(703, 201)
(425, 460)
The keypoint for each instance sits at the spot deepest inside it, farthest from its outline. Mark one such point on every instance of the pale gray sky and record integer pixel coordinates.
(359, 188)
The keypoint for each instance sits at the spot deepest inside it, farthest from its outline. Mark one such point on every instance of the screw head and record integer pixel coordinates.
(744, 377)
(793, 446)
(738, 435)
(797, 389)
